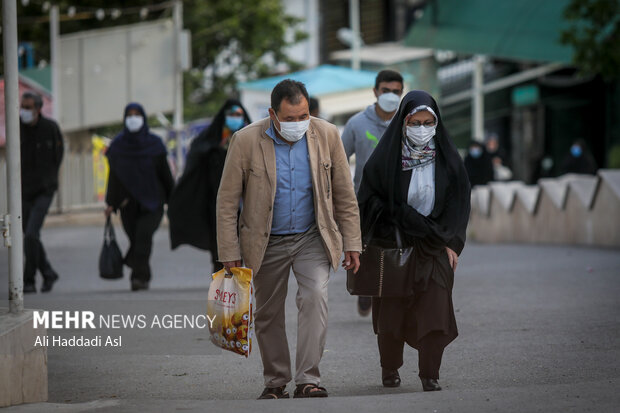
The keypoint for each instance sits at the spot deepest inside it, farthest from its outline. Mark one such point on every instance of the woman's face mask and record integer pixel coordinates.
(134, 123)
(234, 123)
(420, 135)
(576, 151)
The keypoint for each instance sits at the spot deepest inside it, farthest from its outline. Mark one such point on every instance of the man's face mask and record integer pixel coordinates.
(475, 152)
(26, 115)
(293, 131)
(388, 102)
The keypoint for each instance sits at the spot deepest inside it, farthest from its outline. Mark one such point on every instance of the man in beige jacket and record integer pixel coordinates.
(290, 177)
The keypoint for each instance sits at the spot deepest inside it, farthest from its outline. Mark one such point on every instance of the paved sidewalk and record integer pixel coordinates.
(539, 331)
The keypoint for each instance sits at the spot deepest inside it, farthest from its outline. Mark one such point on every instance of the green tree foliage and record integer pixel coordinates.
(232, 40)
(595, 35)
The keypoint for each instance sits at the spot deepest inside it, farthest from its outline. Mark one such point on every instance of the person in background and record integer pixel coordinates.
(501, 172)
(139, 184)
(41, 155)
(478, 164)
(579, 160)
(415, 182)
(191, 210)
(364, 130)
(287, 202)
(314, 106)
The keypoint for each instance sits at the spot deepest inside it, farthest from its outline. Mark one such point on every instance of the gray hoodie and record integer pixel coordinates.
(361, 136)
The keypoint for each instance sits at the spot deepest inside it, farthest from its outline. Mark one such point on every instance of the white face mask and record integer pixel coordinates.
(388, 102)
(293, 131)
(420, 135)
(26, 115)
(134, 123)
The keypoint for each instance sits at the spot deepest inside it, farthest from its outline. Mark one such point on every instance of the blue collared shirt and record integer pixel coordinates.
(293, 208)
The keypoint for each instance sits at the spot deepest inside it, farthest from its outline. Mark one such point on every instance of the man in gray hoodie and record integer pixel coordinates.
(364, 130)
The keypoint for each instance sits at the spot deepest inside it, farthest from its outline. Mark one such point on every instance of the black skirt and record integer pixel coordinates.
(411, 318)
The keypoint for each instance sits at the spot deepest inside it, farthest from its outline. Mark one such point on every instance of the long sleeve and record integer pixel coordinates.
(165, 176)
(348, 139)
(115, 193)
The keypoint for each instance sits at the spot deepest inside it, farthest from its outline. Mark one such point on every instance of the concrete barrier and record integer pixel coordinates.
(571, 209)
(23, 367)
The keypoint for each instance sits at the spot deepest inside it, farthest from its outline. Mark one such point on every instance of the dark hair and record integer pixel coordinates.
(313, 103)
(38, 101)
(388, 76)
(290, 90)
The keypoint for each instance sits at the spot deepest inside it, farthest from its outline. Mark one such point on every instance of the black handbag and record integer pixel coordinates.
(110, 258)
(386, 268)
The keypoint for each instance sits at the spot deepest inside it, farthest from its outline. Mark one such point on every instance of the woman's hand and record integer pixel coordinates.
(108, 210)
(453, 258)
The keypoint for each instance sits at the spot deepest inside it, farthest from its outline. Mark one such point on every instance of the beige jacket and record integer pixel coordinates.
(249, 182)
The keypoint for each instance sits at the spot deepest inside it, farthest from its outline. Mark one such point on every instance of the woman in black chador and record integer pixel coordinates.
(139, 184)
(415, 180)
(192, 206)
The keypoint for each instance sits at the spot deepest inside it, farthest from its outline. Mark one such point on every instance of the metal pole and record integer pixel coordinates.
(354, 15)
(13, 157)
(478, 99)
(178, 82)
(55, 57)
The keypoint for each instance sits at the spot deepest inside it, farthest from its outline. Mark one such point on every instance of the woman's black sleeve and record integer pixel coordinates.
(165, 175)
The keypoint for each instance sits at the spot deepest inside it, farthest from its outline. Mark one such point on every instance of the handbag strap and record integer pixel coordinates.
(108, 233)
(371, 233)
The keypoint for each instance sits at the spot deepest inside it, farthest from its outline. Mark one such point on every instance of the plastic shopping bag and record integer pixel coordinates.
(230, 307)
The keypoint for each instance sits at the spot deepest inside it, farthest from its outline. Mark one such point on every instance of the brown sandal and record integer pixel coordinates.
(308, 390)
(274, 393)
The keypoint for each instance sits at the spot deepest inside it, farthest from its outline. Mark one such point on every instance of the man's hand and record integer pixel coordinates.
(351, 261)
(453, 258)
(230, 264)
(108, 210)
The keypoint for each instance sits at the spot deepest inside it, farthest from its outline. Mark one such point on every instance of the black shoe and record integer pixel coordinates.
(48, 282)
(391, 378)
(137, 285)
(273, 393)
(364, 305)
(430, 384)
(29, 288)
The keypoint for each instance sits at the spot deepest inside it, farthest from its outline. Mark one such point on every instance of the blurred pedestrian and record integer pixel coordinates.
(139, 184)
(290, 175)
(41, 155)
(191, 209)
(501, 171)
(478, 164)
(415, 182)
(314, 106)
(364, 130)
(579, 160)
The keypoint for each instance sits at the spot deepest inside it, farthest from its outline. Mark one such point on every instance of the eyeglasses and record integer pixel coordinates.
(388, 90)
(426, 124)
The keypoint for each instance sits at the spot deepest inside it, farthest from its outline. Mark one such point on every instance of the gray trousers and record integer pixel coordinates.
(305, 254)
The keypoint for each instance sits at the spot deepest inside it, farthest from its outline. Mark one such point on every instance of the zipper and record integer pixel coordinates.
(326, 166)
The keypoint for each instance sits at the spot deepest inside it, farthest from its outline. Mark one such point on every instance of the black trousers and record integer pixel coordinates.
(140, 224)
(430, 352)
(33, 214)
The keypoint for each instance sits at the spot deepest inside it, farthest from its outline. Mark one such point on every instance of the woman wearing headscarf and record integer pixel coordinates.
(139, 184)
(415, 180)
(191, 210)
